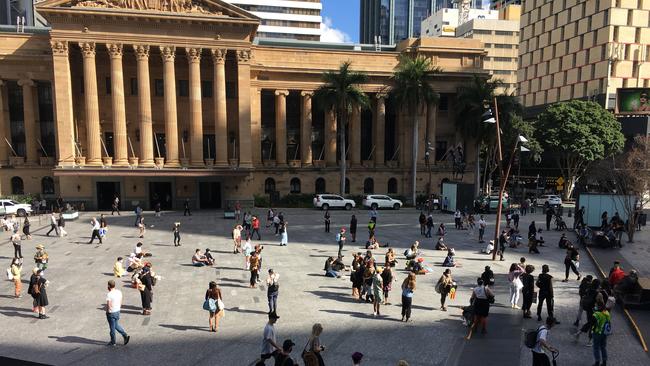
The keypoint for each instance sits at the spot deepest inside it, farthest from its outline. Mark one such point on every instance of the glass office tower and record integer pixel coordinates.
(393, 20)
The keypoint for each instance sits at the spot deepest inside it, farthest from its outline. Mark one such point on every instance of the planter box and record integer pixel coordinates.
(70, 215)
(107, 161)
(294, 163)
(16, 160)
(184, 162)
(209, 163)
(160, 162)
(46, 161)
(134, 161)
(319, 163)
(80, 160)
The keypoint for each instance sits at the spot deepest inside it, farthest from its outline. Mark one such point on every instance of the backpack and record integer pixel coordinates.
(530, 338)
(607, 328)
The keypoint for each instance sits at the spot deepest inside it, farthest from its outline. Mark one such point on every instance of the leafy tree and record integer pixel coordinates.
(412, 91)
(577, 133)
(342, 93)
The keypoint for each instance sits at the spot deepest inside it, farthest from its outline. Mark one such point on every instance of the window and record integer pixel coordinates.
(134, 86)
(392, 186)
(108, 85)
(320, 186)
(482, 31)
(294, 186)
(159, 87)
(17, 186)
(183, 88)
(441, 149)
(503, 33)
(47, 185)
(503, 59)
(368, 186)
(206, 89)
(501, 45)
(108, 143)
(443, 104)
(347, 186)
(269, 185)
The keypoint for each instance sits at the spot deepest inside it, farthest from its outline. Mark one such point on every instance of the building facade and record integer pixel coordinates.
(578, 49)
(164, 104)
(293, 19)
(443, 23)
(392, 20)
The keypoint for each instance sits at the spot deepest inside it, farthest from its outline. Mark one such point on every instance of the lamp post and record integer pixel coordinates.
(488, 117)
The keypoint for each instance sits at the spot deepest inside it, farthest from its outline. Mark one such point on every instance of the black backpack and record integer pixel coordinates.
(530, 338)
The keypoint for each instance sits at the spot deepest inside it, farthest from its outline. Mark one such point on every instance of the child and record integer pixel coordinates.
(209, 257)
(177, 234)
(248, 249)
(118, 269)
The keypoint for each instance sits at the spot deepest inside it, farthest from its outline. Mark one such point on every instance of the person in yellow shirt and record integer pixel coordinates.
(16, 267)
(118, 269)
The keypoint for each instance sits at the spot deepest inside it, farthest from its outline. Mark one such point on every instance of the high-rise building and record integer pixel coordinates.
(443, 22)
(392, 20)
(295, 19)
(579, 49)
(498, 4)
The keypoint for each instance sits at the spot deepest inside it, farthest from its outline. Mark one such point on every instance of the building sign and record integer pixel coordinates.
(633, 101)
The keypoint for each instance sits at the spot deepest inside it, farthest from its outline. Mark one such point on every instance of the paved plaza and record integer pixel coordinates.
(176, 333)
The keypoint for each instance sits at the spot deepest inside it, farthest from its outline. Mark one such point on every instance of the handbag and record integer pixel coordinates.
(10, 276)
(220, 305)
(309, 357)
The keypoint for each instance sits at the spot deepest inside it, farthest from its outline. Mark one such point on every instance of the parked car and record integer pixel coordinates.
(11, 207)
(325, 201)
(376, 201)
(490, 203)
(552, 199)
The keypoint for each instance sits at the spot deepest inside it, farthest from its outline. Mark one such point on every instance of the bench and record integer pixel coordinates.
(639, 300)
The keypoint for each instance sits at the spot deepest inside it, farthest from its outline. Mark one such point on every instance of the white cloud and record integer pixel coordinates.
(331, 34)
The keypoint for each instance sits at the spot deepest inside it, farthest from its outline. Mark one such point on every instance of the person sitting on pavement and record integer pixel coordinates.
(209, 257)
(564, 242)
(440, 245)
(412, 252)
(199, 260)
(338, 264)
(616, 274)
(138, 249)
(488, 276)
(629, 285)
(329, 271)
(488, 248)
(372, 243)
(135, 262)
(449, 260)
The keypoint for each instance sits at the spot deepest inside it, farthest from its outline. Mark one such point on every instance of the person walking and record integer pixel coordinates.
(588, 303)
(186, 207)
(545, 285)
(314, 346)
(138, 215)
(15, 270)
(54, 225)
(327, 220)
(481, 229)
(585, 284)
(15, 241)
(387, 277)
(340, 240)
(443, 287)
(481, 298)
(256, 227)
(528, 289)
(176, 229)
(115, 206)
(514, 278)
(26, 228)
(270, 347)
(571, 261)
(95, 234)
(540, 358)
(284, 236)
(41, 258)
(423, 223)
(147, 281)
(157, 208)
(285, 359)
(353, 228)
(215, 308)
(61, 224)
(37, 288)
(254, 269)
(236, 237)
(600, 331)
(408, 287)
(141, 227)
(273, 289)
(113, 307)
(503, 242)
(377, 292)
(237, 211)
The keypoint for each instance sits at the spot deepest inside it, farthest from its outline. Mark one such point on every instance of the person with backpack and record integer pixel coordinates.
(601, 329)
(588, 303)
(582, 291)
(545, 285)
(537, 340)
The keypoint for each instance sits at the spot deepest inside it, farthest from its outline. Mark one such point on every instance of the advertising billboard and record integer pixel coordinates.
(633, 101)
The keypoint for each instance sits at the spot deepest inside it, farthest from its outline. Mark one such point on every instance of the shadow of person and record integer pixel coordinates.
(80, 340)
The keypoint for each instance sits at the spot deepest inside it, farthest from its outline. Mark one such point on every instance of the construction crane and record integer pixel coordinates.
(463, 10)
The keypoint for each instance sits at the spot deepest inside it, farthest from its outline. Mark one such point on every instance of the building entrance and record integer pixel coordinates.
(209, 195)
(160, 192)
(106, 192)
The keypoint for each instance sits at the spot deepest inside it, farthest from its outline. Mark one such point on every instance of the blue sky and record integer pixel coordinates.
(341, 18)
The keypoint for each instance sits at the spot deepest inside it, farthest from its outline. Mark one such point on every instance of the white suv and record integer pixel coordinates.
(325, 201)
(552, 200)
(11, 207)
(376, 201)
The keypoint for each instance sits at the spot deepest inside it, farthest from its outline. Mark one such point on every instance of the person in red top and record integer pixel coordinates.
(616, 274)
(255, 223)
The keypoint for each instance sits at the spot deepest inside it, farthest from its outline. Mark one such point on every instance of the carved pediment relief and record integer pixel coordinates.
(175, 6)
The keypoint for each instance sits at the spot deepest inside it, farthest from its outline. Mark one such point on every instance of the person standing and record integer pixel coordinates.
(270, 347)
(273, 289)
(284, 236)
(429, 224)
(481, 229)
(254, 268)
(457, 220)
(54, 225)
(549, 216)
(186, 206)
(340, 240)
(503, 242)
(514, 277)
(256, 227)
(481, 298)
(236, 237)
(141, 227)
(15, 241)
(61, 224)
(285, 359)
(26, 227)
(157, 208)
(408, 287)
(353, 228)
(314, 345)
(600, 330)
(237, 211)
(443, 287)
(373, 215)
(37, 288)
(571, 261)
(15, 269)
(176, 229)
(113, 307)
(41, 258)
(138, 215)
(423, 223)
(327, 220)
(545, 285)
(115, 206)
(145, 286)
(539, 355)
(387, 275)
(213, 296)
(528, 289)
(118, 268)
(377, 292)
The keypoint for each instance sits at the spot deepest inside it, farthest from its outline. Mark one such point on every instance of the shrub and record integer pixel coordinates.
(262, 201)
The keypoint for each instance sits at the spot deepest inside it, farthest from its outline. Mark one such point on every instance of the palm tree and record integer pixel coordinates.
(470, 107)
(412, 90)
(341, 92)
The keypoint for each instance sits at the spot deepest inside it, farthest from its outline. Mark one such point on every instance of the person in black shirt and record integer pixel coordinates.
(429, 226)
(528, 291)
(582, 291)
(545, 285)
(327, 220)
(423, 223)
(549, 216)
(284, 358)
(353, 228)
(571, 261)
(532, 230)
(488, 276)
(503, 241)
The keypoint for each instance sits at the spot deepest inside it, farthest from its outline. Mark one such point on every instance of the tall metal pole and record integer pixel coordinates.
(504, 180)
(497, 225)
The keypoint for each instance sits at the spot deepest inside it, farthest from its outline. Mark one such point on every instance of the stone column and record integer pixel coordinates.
(330, 138)
(93, 148)
(65, 144)
(432, 122)
(244, 101)
(355, 137)
(281, 126)
(168, 54)
(380, 130)
(119, 110)
(256, 126)
(144, 106)
(196, 113)
(3, 123)
(220, 111)
(31, 146)
(305, 129)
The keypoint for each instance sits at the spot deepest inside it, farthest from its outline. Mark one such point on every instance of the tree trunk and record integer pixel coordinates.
(631, 227)
(414, 162)
(343, 119)
(477, 178)
(569, 186)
